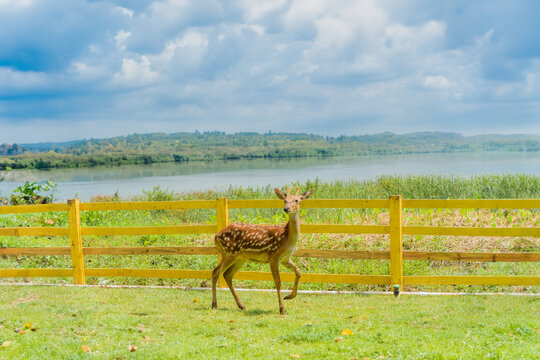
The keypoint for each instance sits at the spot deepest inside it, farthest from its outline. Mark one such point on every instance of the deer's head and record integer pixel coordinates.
(292, 202)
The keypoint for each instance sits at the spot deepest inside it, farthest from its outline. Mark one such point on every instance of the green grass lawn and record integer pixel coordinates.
(179, 324)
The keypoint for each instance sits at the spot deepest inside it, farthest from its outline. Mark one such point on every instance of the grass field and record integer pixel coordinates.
(179, 324)
(441, 187)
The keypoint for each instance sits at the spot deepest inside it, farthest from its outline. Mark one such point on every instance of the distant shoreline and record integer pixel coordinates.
(68, 161)
(65, 161)
(208, 147)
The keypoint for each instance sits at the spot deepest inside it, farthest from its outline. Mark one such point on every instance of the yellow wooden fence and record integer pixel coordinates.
(75, 231)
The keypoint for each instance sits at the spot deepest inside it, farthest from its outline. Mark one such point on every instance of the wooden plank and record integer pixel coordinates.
(251, 275)
(396, 243)
(149, 230)
(471, 231)
(222, 213)
(149, 205)
(310, 203)
(138, 250)
(201, 229)
(346, 229)
(151, 273)
(208, 250)
(320, 278)
(316, 278)
(473, 204)
(34, 231)
(24, 209)
(315, 253)
(36, 273)
(342, 254)
(345, 203)
(471, 280)
(75, 237)
(260, 204)
(188, 250)
(35, 251)
(468, 256)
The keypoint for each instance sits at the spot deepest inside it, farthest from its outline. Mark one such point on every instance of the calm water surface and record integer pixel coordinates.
(131, 180)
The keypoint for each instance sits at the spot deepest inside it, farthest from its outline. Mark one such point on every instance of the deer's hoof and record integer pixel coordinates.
(282, 312)
(214, 305)
(289, 297)
(241, 306)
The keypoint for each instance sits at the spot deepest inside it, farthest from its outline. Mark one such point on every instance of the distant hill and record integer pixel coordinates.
(209, 146)
(7, 149)
(48, 146)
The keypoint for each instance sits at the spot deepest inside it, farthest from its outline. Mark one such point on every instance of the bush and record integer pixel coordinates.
(34, 193)
(159, 194)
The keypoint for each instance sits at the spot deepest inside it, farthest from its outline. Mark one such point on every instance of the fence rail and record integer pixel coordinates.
(395, 229)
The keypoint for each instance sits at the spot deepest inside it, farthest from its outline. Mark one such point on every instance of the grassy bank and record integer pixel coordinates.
(508, 186)
(108, 321)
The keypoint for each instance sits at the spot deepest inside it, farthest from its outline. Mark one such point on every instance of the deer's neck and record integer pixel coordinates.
(293, 228)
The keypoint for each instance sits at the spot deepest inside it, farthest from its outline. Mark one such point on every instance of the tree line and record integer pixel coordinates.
(211, 146)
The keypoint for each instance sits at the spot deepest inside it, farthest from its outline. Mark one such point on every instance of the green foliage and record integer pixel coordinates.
(34, 193)
(159, 194)
(507, 186)
(210, 146)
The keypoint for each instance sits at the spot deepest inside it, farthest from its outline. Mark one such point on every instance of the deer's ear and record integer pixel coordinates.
(305, 195)
(280, 194)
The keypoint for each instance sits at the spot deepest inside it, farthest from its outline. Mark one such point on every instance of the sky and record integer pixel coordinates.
(73, 69)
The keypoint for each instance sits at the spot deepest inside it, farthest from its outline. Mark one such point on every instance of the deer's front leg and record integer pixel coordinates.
(274, 267)
(291, 266)
(226, 262)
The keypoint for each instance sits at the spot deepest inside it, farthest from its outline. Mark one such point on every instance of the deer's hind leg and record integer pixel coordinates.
(292, 266)
(228, 276)
(225, 263)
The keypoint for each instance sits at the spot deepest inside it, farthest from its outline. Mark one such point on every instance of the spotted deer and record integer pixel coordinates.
(272, 244)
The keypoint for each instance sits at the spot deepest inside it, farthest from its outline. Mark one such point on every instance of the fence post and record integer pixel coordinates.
(77, 256)
(396, 244)
(222, 211)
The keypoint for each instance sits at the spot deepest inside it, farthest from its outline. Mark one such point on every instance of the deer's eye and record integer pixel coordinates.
(296, 200)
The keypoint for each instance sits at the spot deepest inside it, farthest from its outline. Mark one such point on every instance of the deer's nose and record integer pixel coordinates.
(286, 208)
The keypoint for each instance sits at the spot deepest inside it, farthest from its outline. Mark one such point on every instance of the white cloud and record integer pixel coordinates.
(125, 11)
(527, 89)
(121, 38)
(430, 34)
(333, 33)
(135, 73)
(14, 5)
(300, 63)
(13, 81)
(256, 9)
(305, 11)
(485, 38)
(84, 71)
(436, 82)
(181, 54)
(280, 47)
(193, 39)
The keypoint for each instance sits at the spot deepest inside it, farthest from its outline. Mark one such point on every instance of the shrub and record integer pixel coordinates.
(34, 193)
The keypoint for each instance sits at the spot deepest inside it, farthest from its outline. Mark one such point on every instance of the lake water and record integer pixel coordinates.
(131, 180)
